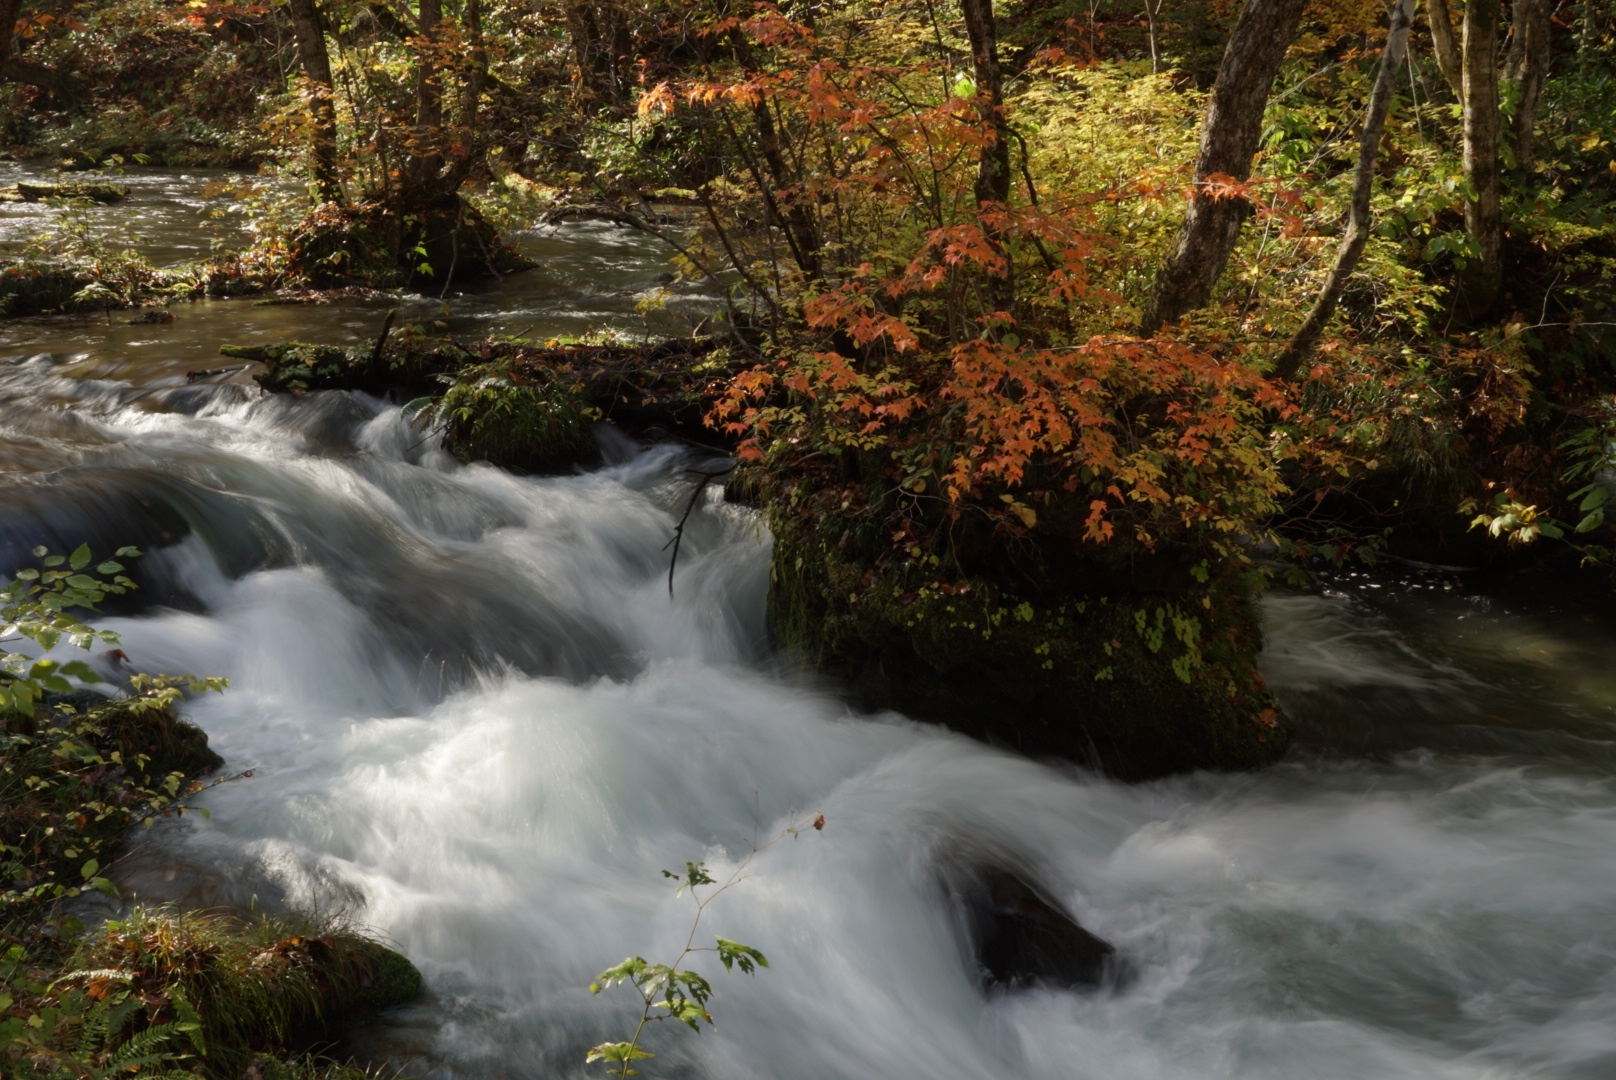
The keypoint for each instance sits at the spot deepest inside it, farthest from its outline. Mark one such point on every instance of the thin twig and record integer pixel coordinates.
(679, 529)
(381, 339)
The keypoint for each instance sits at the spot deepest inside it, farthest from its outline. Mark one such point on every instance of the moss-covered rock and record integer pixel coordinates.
(76, 775)
(535, 421)
(93, 191)
(296, 367)
(1138, 684)
(28, 288)
(377, 243)
(258, 985)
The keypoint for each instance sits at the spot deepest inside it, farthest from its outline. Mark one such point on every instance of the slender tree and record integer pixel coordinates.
(1528, 66)
(1363, 180)
(1481, 279)
(1445, 45)
(308, 29)
(993, 169)
(993, 162)
(425, 151)
(9, 10)
(1229, 141)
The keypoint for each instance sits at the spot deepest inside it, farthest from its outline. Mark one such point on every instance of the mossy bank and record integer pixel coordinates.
(155, 991)
(1135, 683)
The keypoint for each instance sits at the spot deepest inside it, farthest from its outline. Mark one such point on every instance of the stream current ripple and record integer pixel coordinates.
(479, 725)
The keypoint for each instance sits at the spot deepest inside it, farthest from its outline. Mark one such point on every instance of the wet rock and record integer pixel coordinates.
(30, 288)
(1019, 938)
(497, 395)
(95, 192)
(152, 318)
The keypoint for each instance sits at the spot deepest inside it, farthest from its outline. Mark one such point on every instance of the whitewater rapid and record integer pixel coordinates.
(479, 725)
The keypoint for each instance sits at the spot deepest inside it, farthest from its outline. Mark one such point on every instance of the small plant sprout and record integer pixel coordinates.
(668, 992)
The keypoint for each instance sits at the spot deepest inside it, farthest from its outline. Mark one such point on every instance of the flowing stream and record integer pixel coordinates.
(479, 725)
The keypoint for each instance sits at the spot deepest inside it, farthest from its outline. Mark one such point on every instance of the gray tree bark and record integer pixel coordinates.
(1479, 283)
(308, 29)
(1445, 45)
(1529, 58)
(1363, 179)
(1228, 142)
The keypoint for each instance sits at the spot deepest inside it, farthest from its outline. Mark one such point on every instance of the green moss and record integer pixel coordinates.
(1138, 685)
(535, 421)
(378, 244)
(213, 993)
(296, 367)
(71, 783)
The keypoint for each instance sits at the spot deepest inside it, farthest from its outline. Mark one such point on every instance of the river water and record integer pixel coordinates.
(479, 725)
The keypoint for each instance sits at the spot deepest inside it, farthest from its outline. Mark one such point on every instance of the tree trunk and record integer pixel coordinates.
(427, 140)
(993, 161)
(1363, 180)
(1479, 282)
(309, 31)
(476, 82)
(993, 165)
(9, 10)
(1529, 66)
(1445, 46)
(1228, 142)
(802, 230)
(599, 38)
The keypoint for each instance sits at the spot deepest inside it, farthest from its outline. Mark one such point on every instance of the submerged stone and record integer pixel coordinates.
(1019, 938)
(95, 192)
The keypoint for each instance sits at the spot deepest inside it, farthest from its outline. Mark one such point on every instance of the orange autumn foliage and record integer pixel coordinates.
(968, 353)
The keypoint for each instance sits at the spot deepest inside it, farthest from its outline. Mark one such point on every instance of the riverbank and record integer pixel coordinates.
(98, 989)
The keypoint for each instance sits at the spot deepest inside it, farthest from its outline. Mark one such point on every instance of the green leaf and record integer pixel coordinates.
(1591, 522)
(91, 867)
(695, 874)
(628, 970)
(105, 886)
(732, 953)
(81, 557)
(617, 1052)
(1596, 498)
(109, 567)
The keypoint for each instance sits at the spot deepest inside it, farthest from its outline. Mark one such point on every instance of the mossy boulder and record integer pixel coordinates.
(383, 244)
(1135, 683)
(298, 367)
(534, 421)
(252, 985)
(95, 192)
(28, 288)
(78, 773)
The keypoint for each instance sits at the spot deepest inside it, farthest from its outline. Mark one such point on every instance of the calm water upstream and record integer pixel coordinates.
(480, 726)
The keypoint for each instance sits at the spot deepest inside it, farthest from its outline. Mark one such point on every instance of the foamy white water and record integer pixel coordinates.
(479, 725)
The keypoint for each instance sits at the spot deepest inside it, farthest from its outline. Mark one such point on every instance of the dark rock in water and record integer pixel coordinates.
(1020, 938)
(101, 193)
